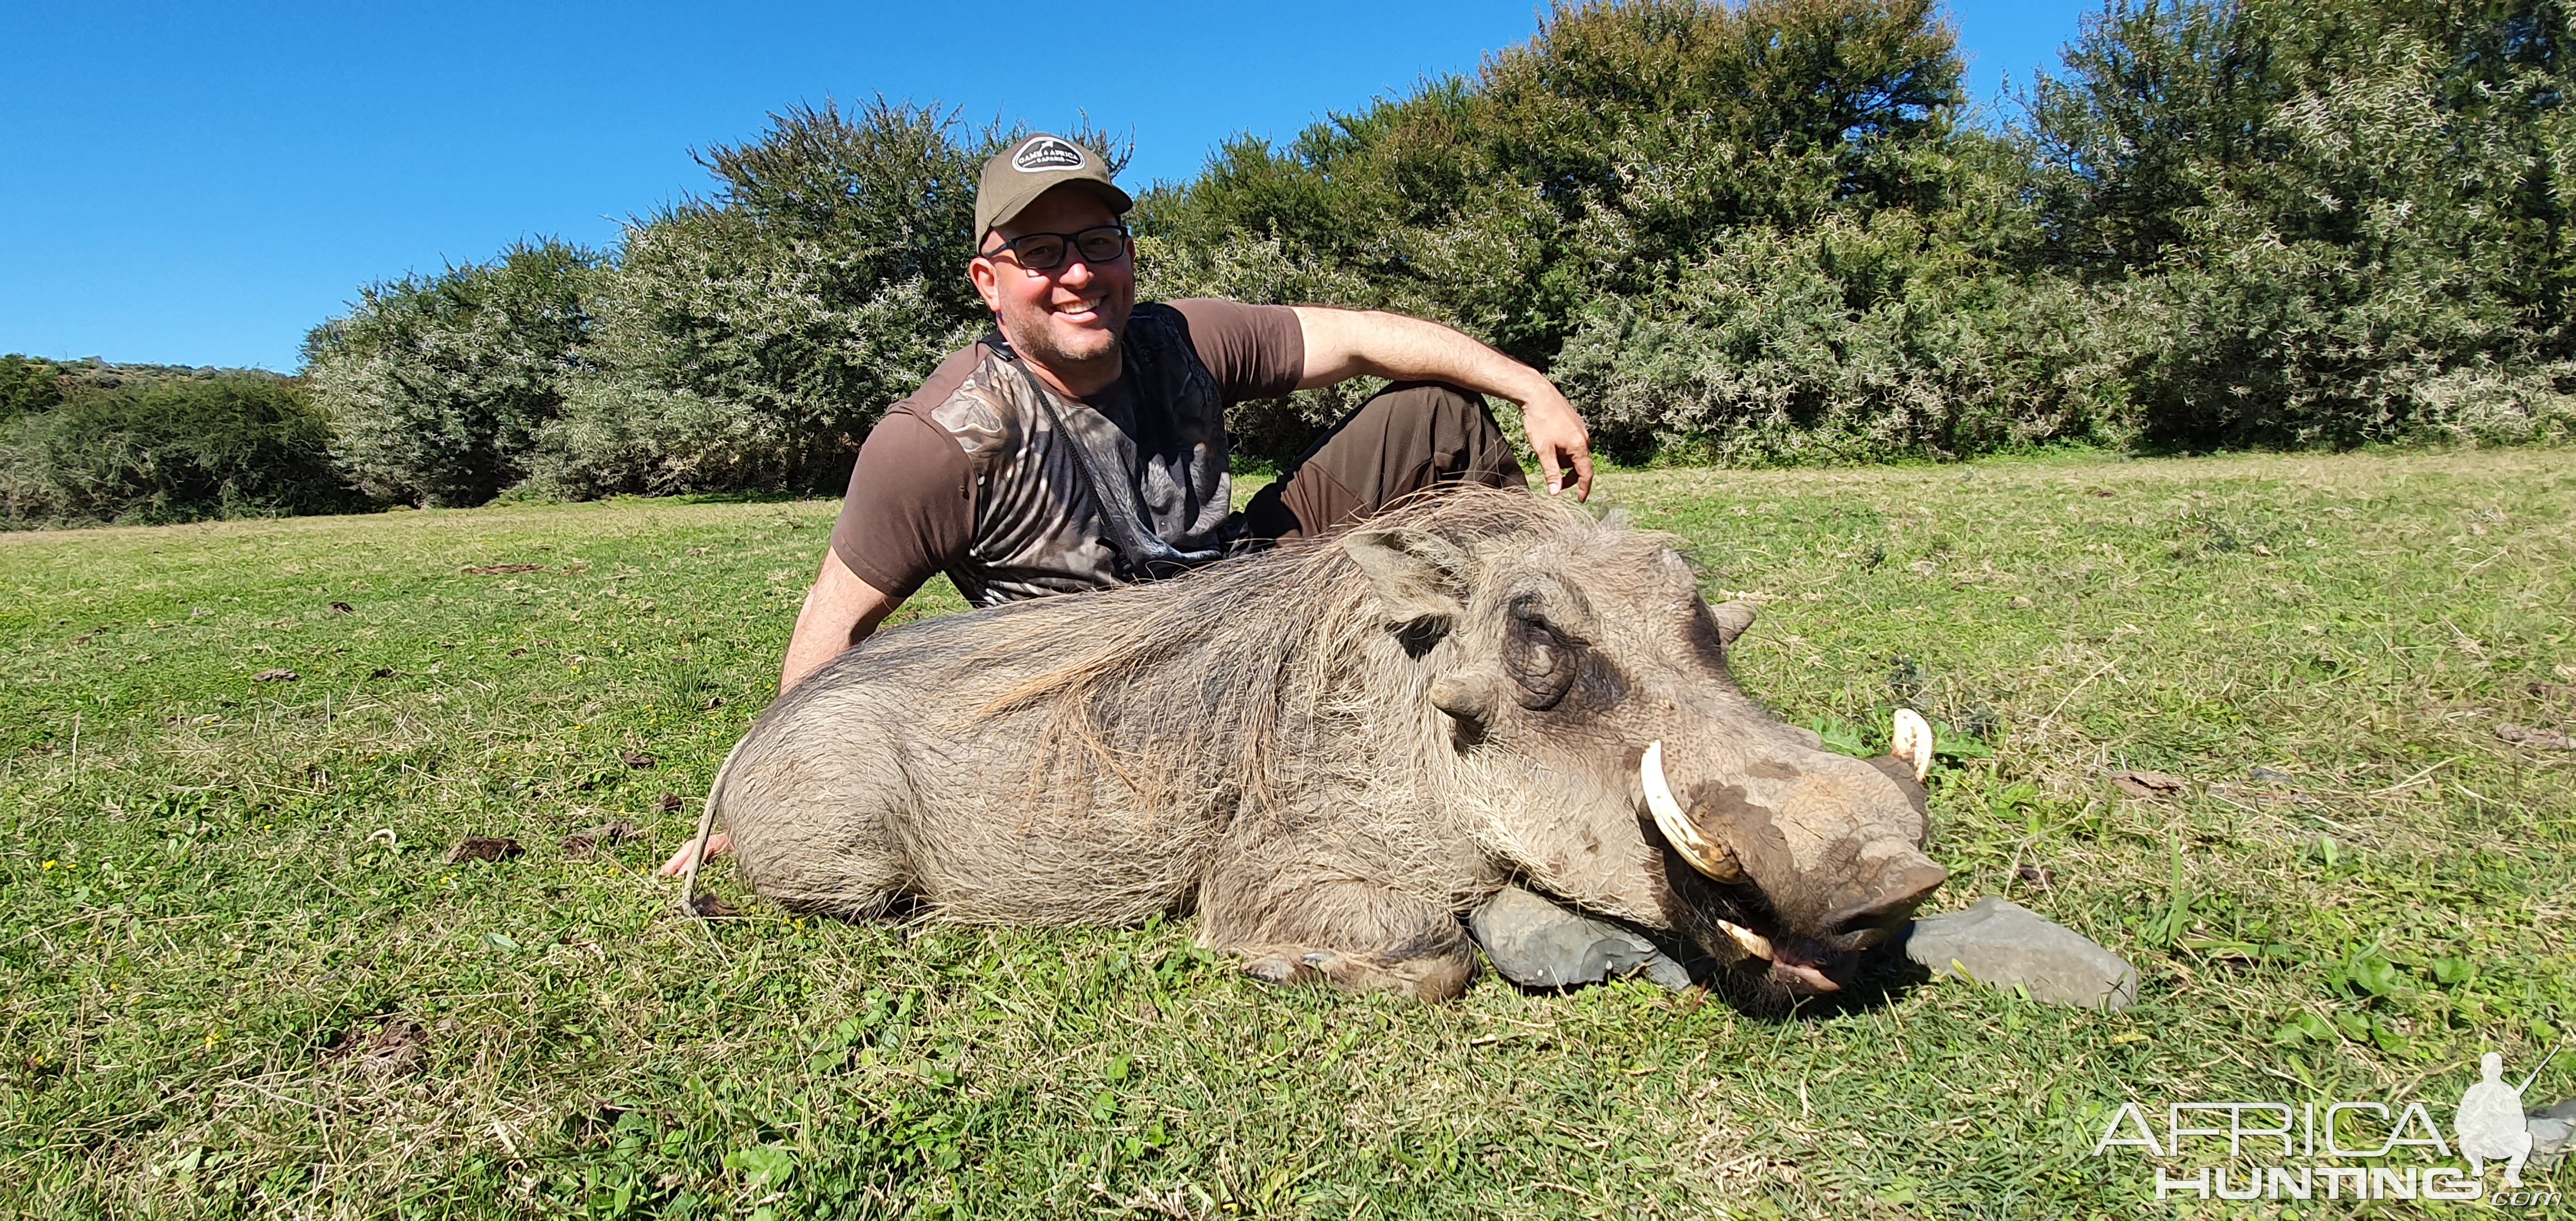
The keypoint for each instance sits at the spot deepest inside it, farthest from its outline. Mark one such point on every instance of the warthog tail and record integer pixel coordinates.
(706, 828)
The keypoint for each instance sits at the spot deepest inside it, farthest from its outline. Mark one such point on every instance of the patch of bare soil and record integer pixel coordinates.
(483, 848)
(392, 1044)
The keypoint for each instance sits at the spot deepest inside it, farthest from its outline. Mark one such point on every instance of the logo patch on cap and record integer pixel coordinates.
(1047, 153)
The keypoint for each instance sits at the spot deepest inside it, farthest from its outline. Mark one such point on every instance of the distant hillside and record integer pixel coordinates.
(34, 383)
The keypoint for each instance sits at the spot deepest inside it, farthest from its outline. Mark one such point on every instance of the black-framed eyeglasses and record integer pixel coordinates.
(1046, 251)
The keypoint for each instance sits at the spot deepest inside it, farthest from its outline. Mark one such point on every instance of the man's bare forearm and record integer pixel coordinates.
(1343, 344)
(839, 611)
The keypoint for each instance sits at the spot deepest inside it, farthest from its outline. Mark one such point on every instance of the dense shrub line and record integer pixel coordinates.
(93, 443)
(1760, 232)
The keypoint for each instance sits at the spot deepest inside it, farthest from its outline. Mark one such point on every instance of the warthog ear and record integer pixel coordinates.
(1732, 618)
(1417, 575)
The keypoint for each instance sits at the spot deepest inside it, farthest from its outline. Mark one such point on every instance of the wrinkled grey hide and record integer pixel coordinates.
(1331, 752)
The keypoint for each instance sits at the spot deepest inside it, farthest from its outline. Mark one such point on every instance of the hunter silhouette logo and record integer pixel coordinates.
(2490, 1123)
(1047, 153)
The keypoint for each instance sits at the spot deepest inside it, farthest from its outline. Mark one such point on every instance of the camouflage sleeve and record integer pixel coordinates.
(1255, 351)
(911, 508)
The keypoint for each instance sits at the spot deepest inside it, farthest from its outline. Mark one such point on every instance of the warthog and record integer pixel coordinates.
(1332, 751)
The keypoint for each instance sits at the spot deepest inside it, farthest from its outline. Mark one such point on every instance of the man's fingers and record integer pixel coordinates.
(717, 845)
(1583, 474)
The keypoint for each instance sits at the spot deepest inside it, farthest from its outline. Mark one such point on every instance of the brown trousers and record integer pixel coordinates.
(1409, 437)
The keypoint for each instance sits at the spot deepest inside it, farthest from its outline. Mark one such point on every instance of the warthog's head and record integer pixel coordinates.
(1602, 750)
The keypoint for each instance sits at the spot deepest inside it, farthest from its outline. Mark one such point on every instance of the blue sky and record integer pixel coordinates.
(199, 184)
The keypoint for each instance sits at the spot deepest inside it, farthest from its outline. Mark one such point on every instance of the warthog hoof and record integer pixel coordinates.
(1280, 969)
(1438, 975)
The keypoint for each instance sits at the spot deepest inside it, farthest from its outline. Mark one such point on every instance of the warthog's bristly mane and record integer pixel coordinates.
(1220, 678)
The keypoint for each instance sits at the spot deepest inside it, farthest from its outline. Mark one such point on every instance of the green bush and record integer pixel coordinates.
(1621, 143)
(242, 444)
(1756, 232)
(1851, 342)
(2340, 220)
(437, 386)
(28, 384)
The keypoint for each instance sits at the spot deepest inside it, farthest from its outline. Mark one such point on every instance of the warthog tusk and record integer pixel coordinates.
(1712, 859)
(1754, 943)
(1759, 946)
(1912, 742)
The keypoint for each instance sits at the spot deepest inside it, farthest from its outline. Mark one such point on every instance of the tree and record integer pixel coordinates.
(2336, 220)
(437, 386)
(27, 384)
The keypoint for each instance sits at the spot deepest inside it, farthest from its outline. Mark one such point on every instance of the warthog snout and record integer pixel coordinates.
(1817, 857)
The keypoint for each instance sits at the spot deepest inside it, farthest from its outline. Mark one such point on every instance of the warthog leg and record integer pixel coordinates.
(1423, 974)
(1357, 936)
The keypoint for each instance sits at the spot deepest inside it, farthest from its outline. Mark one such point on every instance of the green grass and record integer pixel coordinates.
(225, 994)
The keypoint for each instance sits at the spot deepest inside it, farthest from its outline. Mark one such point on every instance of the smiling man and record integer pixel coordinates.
(1083, 446)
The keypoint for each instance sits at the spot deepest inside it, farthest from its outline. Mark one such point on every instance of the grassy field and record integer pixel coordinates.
(241, 977)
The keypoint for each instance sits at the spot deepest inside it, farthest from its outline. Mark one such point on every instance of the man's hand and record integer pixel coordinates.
(1342, 344)
(1564, 445)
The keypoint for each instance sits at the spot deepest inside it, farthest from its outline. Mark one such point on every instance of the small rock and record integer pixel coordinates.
(385, 672)
(2035, 875)
(2553, 1129)
(343, 608)
(484, 848)
(1537, 944)
(2551, 691)
(2267, 775)
(2018, 602)
(2147, 784)
(2001, 943)
(274, 676)
(2546, 739)
(636, 759)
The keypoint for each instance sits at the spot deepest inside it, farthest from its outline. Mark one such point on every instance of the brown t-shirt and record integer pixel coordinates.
(969, 476)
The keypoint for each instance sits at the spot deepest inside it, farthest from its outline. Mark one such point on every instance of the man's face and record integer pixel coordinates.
(1070, 314)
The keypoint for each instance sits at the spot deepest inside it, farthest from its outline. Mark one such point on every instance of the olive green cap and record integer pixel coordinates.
(1031, 167)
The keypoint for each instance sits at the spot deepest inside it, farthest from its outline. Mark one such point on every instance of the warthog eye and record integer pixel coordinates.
(1540, 660)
